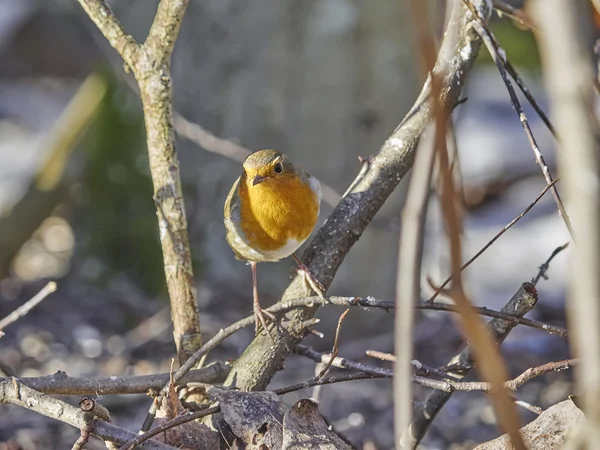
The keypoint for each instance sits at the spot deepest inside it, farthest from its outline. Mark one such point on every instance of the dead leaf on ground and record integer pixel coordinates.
(254, 417)
(548, 432)
(305, 428)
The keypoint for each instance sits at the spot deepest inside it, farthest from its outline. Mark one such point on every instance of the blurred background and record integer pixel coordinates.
(326, 81)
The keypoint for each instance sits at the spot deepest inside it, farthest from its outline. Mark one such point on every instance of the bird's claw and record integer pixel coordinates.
(260, 320)
(310, 280)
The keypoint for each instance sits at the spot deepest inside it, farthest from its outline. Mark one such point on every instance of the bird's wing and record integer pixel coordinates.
(232, 205)
(231, 214)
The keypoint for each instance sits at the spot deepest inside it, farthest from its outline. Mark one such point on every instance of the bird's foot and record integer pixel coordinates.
(260, 319)
(310, 280)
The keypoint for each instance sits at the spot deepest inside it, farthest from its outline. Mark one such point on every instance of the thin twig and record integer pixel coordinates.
(27, 306)
(106, 21)
(335, 350)
(504, 229)
(329, 380)
(420, 368)
(447, 385)
(526, 92)
(83, 437)
(229, 149)
(544, 267)
(529, 407)
(179, 420)
(514, 13)
(486, 35)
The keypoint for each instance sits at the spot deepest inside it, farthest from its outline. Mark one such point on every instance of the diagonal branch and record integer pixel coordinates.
(27, 306)
(106, 21)
(261, 360)
(499, 58)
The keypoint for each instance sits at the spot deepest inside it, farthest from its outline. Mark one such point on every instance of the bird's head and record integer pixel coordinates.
(265, 165)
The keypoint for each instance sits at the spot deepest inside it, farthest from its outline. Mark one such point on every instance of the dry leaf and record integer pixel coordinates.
(304, 428)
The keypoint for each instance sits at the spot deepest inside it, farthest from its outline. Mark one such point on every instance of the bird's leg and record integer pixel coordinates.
(308, 277)
(259, 313)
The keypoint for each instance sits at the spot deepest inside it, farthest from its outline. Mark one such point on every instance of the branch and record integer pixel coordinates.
(261, 360)
(106, 21)
(517, 14)
(224, 147)
(544, 267)
(164, 30)
(447, 386)
(491, 366)
(410, 251)
(520, 304)
(506, 227)
(499, 57)
(62, 384)
(505, 317)
(27, 306)
(14, 392)
(569, 78)
(150, 64)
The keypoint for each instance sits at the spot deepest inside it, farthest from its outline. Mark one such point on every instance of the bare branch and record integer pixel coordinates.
(490, 363)
(150, 65)
(165, 29)
(445, 386)
(499, 57)
(504, 317)
(544, 267)
(224, 147)
(514, 13)
(526, 292)
(16, 393)
(408, 278)
(506, 227)
(109, 25)
(569, 77)
(335, 349)
(62, 384)
(27, 306)
(421, 369)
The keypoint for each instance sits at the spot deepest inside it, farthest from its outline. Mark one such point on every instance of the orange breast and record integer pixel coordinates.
(276, 210)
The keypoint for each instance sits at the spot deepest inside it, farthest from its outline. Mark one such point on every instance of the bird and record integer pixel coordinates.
(270, 211)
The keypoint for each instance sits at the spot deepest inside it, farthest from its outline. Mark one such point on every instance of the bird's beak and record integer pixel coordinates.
(258, 179)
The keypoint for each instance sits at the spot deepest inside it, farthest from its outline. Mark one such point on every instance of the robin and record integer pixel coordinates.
(270, 211)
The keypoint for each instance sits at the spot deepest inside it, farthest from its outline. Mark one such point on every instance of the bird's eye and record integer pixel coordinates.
(278, 168)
